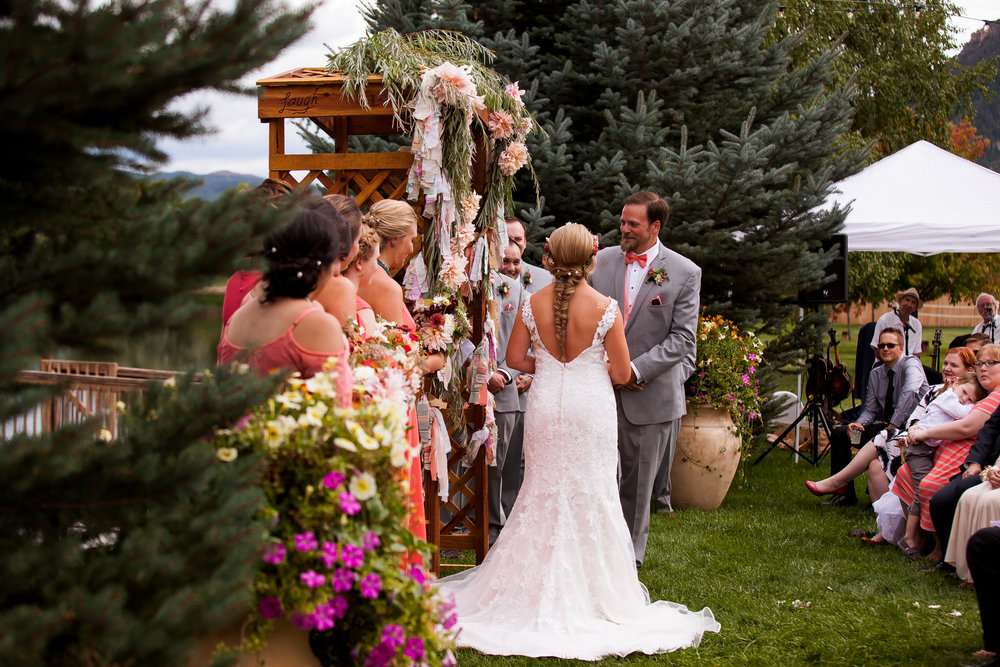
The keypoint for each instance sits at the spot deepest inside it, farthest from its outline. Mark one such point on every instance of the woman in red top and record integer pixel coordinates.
(958, 437)
(283, 330)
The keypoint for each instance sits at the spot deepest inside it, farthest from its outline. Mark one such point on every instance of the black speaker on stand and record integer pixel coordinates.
(834, 290)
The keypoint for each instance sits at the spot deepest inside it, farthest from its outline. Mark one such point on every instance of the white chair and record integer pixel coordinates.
(788, 415)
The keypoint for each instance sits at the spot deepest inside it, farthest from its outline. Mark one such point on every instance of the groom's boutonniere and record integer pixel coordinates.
(657, 276)
(503, 290)
(526, 279)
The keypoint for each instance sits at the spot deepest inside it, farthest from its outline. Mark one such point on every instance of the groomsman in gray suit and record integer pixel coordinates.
(533, 278)
(657, 290)
(507, 408)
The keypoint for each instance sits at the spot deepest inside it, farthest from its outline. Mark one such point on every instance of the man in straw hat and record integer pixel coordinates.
(901, 317)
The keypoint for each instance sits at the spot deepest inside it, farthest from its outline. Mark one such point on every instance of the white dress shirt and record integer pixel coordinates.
(635, 274)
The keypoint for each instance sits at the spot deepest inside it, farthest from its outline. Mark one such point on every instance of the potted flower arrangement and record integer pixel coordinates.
(334, 561)
(723, 402)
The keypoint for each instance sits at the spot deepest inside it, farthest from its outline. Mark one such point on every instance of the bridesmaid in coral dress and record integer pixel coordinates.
(282, 329)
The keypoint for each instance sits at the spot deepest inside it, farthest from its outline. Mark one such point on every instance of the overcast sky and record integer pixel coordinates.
(240, 143)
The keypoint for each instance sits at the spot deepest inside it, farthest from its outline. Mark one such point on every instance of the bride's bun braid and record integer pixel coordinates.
(571, 250)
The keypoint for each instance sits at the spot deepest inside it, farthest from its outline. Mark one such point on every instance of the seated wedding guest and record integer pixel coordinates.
(396, 224)
(283, 330)
(984, 453)
(986, 306)
(881, 457)
(958, 437)
(894, 387)
(901, 317)
(360, 272)
(978, 508)
(983, 556)
(241, 282)
(338, 296)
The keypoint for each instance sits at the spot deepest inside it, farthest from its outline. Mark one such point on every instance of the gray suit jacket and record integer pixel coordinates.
(661, 331)
(507, 399)
(539, 277)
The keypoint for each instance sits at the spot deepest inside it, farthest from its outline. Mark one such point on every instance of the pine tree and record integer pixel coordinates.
(696, 100)
(120, 552)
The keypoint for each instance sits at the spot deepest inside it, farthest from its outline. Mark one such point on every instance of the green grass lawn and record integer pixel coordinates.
(771, 544)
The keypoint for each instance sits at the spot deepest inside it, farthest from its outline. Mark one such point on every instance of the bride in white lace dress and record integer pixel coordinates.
(561, 579)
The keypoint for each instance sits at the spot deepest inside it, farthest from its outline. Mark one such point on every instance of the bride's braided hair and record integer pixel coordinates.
(571, 250)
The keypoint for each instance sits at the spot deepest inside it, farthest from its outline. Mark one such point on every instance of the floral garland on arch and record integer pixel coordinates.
(439, 78)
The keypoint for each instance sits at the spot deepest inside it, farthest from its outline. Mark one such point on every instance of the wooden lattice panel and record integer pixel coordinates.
(313, 93)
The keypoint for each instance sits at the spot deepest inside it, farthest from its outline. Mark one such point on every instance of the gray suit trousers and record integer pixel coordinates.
(641, 448)
(661, 487)
(504, 479)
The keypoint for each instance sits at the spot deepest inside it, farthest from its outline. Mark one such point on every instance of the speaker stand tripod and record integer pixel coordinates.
(816, 414)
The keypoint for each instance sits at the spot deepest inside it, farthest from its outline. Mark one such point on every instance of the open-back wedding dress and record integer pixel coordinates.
(561, 579)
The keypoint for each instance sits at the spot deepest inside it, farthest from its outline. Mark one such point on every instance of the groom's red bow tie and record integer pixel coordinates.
(632, 257)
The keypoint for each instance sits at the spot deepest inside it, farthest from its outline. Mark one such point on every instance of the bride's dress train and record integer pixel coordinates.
(561, 578)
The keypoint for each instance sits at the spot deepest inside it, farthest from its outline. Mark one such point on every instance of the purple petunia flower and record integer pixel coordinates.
(393, 635)
(342, 580)
(329, 555)
(338, 605)
(370, 586)
(306, 541)
(417, 574)
(274, 553)
(312, 579)
(269, 607)
(349, 504)
(380, 656)
(324, 617)
(333, 479)
(371, 541)
(745, 378)
(304, 621)
(450, 621)
(352, 555)
(242, 423)
(414, 649)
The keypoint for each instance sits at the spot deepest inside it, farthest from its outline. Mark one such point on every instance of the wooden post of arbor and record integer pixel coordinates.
(312, 93)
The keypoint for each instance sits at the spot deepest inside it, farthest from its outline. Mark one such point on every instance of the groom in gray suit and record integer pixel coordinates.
(658, 292)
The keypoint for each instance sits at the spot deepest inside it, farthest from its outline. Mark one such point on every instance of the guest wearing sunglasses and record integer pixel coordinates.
(894, 387)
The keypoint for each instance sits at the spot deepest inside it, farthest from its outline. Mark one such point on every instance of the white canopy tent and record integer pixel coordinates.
(923, 200)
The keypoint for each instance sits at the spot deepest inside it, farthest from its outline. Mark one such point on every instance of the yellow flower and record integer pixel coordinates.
(363, 486)
(226, 454)
(170, 383)
(105, 435)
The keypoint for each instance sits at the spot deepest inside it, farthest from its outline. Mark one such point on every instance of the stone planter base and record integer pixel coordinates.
(706, 459)
(288, 646)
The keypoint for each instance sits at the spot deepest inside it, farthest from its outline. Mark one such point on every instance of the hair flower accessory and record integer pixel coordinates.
(597, 245)
(657, 276)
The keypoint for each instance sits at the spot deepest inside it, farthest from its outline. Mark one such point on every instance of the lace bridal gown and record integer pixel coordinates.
(561, 579)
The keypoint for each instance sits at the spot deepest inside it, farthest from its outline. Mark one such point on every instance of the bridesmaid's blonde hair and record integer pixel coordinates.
(391, 218)
(570, 250)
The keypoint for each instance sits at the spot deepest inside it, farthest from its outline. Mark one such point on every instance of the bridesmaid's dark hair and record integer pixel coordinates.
(299, 254)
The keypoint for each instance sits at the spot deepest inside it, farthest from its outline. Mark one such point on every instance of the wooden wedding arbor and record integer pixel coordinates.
(312, 93)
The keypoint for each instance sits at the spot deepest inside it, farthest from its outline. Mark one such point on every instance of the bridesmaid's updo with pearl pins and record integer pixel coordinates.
(569, 257)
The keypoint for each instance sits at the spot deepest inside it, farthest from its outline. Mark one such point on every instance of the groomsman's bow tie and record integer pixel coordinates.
(632, 257)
